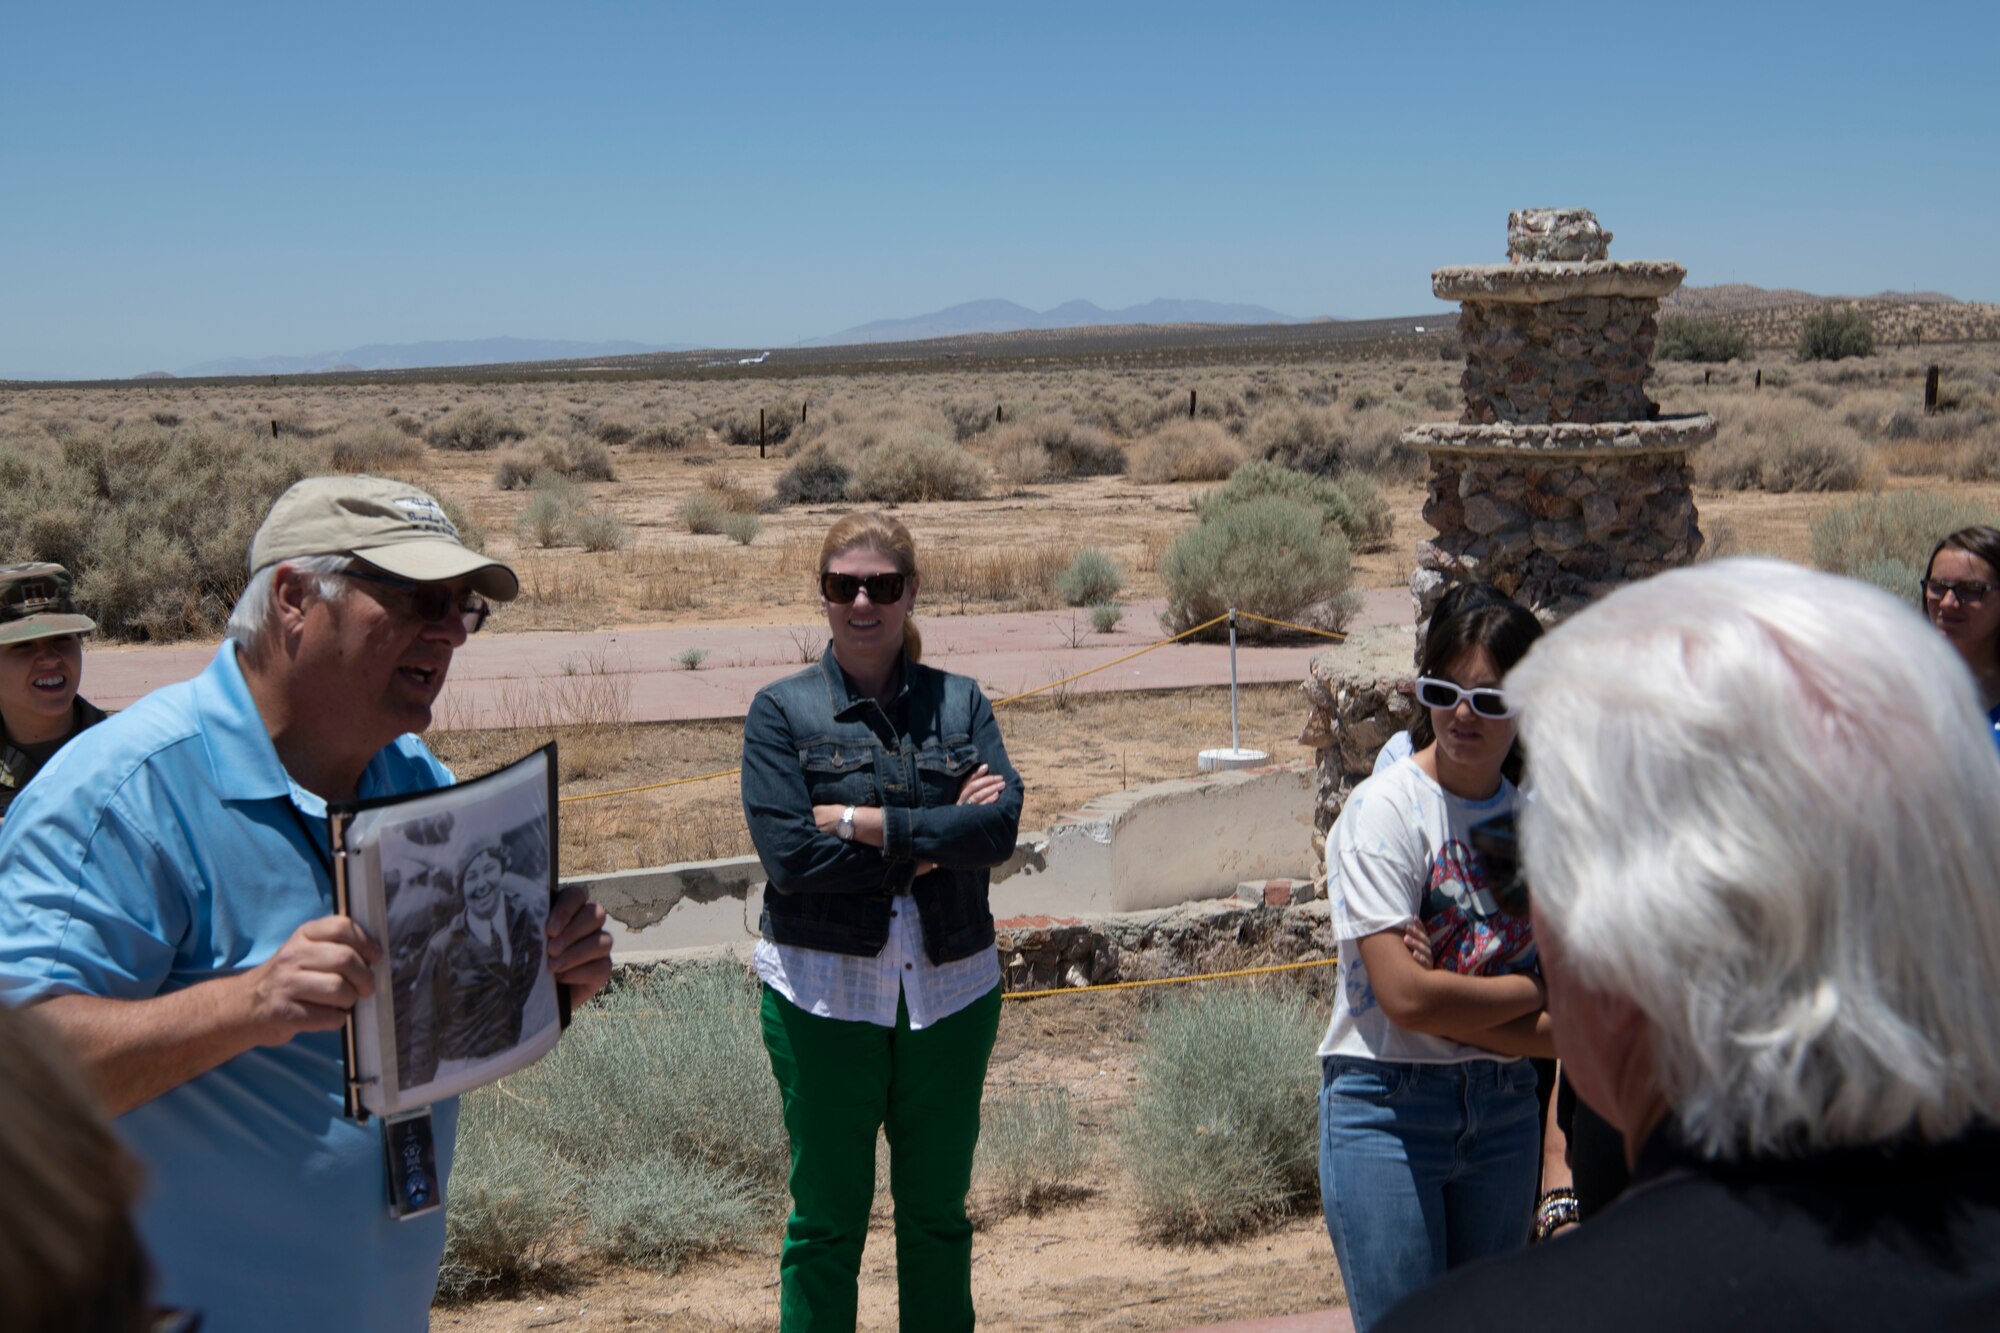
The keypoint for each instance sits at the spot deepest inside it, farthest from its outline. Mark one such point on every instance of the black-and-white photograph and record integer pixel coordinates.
(457, 886)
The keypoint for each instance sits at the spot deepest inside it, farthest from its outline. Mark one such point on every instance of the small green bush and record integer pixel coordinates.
(660, 1209)
(511, 1201)
(473, 428)
(1104, 617)
(1092, 577)
(1832, 335)
(544, 520)
(815, 477)
(1273, 555)
(1221, 1136)
(742, 528)
(1884, 538)
(1030, 1150)
(1350, 503)
(915, 466)
(1692, 338)
(598, 530)
(692, 658)
(703, 513)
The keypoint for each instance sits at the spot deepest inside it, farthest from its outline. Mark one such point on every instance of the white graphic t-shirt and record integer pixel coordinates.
(1402, 848)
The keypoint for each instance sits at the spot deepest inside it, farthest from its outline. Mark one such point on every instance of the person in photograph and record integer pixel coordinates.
(879, 795)
(1430, 1138)
(476, 974)
(420, 898)
(1961, 591)
(1762, 875)
(166, 906)
(41, 668)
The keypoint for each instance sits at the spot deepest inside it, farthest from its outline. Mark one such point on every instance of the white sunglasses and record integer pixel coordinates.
(1442, 694)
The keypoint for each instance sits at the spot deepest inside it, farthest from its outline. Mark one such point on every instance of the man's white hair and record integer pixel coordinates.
(250, 618)
(1767, 811)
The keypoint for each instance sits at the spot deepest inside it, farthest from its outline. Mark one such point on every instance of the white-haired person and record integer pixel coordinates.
(1762, 859)
(1962, 598)
(1430, 1142)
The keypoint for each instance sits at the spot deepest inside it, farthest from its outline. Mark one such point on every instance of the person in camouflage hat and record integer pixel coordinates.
(41, 666)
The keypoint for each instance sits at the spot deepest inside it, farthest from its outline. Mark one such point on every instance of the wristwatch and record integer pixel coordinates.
(844, 830)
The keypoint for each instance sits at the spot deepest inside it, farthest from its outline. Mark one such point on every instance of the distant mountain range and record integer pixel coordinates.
(998, 316)
(417, 356)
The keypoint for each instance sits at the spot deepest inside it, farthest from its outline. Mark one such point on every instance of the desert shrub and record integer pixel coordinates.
(667, 435)
(1831, 335)
(166, 419)
(544, 520)
(1273, 555)
(575, 456)
(968, 416)
(370, 446)
(1692, 338)
(607, 431)
(661, 1209)
(1075, 449)
(742, 528)
(1978, 461)
(1779, 446)
(1884, 538)
(1092, 577)
(1104, 617)
(915, 466)
(703, 513)
(1375, 445)
(473, 428)
(740, 427)
(732, 494)
(1221, 1136)
(815, 477)
(1350, 503)
(1185, 451)
(598, 530)
(516, 472)
(1030, 1150)
(511, 1203)
(1309, 439)
(1439, 398)
(1017, 456)
(154, 523)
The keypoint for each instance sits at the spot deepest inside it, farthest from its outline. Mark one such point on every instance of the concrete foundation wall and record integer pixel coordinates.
(1153, 846)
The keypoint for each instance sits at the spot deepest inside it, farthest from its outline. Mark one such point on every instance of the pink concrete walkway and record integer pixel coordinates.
(500, 678)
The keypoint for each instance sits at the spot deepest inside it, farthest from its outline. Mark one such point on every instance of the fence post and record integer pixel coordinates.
(1930, 390)
(1235, 740)
(802, 411)
(760, 432)
(1760, 378)
(1191, 394)
(999, 413)
(274, 428)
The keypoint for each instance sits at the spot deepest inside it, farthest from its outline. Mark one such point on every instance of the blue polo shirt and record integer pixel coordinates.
(159, 850)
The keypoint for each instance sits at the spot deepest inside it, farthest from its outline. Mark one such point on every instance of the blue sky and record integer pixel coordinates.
(184, 182)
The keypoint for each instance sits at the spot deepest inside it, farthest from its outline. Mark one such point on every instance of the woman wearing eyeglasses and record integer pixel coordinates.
(41, 665)
(1429, 1145)
(878, 794)
(1962, 598)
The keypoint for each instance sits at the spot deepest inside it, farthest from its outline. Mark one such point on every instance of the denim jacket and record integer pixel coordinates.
(809, 740)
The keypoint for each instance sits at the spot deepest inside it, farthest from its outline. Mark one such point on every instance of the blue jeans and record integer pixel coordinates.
(1423, 1168)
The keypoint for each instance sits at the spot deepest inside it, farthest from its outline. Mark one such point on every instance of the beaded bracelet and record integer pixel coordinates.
(1555, 1210)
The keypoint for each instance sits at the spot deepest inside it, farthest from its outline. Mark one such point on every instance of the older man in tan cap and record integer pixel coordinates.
(165, 902)
(41, 666)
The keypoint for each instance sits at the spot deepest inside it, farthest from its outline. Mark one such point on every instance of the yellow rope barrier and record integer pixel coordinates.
(1166, 981)
(651, 786)
(1286, 624)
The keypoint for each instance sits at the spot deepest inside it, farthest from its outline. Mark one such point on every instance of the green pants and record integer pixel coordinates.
(842, 1082)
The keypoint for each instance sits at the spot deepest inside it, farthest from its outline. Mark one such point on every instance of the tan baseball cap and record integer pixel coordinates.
(390, 524)
(37, 602)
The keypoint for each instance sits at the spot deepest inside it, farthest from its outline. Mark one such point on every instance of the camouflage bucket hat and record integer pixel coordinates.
(37, 602)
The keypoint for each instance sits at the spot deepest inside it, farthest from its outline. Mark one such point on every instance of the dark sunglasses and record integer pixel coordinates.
(1968, 591)
(1442, 694)
(844, 588)
(432, 602)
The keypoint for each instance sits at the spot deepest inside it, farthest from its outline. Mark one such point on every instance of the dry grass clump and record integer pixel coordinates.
(559, 512)
(473, 428)
(1023, 575)
(1308, 439)
(1031, 1151)
(369, 446)
(847, 428)
(1185, 451)
(815, 477)
(1778, 444)
(1884, 538)
(669, 435)
(575, 456)
(914, 465)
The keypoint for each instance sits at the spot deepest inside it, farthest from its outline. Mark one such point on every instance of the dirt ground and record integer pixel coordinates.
(1083, 1264)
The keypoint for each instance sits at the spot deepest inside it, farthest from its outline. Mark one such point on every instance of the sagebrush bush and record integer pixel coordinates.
(473, 428)
(369, 446)
(608, 431)
(1017, 456)
(1221, 1135)
(1104, 617)
(153, 523)
(915, 466)
(1350, 503)
(1075, 449)
(1772, 444)
(1273, 555)
(1092, 577)
(668, 435)
(1309, 439)
(598, 530)
(815, 477)
(1030, 1151)
(1375, 445)
(1832, 335)
(1884, 538)
(660, 1209)
(511, 1202)
(1694, 338)
(703, 513)
(742, 528)
(1185, 451)
(544, 520)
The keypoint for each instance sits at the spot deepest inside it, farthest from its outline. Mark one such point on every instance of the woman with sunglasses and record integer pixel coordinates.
(1429, 1138)
(41, 665)
(1962, 598)
(878, 794)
